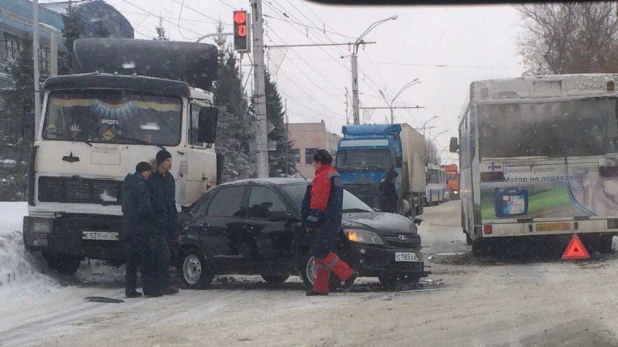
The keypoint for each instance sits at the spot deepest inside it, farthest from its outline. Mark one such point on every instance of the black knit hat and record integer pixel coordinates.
(162, 156)
(391, 174)
(323, 157)
(142, 166)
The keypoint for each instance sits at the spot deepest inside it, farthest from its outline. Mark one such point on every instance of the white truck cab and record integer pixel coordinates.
(95, 128)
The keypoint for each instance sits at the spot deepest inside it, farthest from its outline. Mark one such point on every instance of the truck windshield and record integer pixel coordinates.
(363, 160)
(113, 116)
(551, 129)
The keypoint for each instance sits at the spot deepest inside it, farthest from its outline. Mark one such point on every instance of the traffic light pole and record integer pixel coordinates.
(259, 90)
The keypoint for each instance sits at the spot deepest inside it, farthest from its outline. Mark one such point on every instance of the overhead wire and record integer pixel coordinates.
(310, 66)
(162, 18)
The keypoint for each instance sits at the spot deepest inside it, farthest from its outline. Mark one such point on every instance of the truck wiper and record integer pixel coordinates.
(139, 141)
(67, 137)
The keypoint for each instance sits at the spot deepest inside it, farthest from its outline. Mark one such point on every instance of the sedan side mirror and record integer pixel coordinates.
(207, 125)
(279, 216)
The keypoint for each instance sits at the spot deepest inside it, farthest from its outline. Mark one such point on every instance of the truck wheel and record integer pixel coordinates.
(479, 247)
(63, 264)
(277, 279)
(468, 239)
(307, 273)
(195, 272)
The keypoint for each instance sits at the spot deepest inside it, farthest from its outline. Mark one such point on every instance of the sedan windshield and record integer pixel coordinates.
(113, 116)
(351, 203)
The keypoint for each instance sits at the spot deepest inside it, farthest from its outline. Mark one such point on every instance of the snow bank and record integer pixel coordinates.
(16, 265)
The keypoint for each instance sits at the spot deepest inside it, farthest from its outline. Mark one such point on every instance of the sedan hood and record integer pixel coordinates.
(379, 222)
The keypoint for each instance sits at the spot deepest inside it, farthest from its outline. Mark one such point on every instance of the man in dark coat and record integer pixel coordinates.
(164, 204)
(138, 223)
(388, 194)
(322, 208)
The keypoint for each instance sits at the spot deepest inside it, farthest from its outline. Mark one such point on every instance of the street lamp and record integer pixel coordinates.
(390, 104)
(358, 42)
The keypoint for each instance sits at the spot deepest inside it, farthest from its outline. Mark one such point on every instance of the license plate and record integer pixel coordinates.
(100, 235)
(553, 226)
(405, 256)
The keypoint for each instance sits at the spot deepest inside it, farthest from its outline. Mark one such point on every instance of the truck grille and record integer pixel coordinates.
(411, 241)
(368, 193)
(80, 190)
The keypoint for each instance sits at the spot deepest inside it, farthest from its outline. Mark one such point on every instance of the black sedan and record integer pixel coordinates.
(253, 227)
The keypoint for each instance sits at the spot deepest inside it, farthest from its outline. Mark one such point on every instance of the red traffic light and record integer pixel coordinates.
(240, 17)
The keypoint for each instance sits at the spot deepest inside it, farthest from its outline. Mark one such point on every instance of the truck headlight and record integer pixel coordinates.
(363, 236)
(42, 225)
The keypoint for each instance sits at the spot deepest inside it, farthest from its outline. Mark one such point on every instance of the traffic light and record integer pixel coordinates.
(241, 31)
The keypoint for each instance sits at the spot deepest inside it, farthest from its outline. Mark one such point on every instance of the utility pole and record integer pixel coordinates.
(259, 91)
(359, 41)
(35, 57)
(287, 137)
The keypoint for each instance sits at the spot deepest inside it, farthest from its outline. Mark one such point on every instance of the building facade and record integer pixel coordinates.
(306, 139)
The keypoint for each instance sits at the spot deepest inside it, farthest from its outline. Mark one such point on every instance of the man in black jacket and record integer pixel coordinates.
(388, 194)
(138, 224)
(164, 204)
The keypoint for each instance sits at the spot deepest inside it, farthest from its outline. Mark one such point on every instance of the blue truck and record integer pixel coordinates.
(367, 152)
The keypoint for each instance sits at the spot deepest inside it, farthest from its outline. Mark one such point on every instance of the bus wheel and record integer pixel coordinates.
(479, 247)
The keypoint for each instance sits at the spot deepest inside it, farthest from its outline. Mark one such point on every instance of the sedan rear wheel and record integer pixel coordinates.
(196, 273)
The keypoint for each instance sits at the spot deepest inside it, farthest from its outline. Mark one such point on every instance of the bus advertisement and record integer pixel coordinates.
(539, 156)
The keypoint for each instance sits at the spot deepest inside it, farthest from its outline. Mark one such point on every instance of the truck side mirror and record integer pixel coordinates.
(207, 132)
(454, 146)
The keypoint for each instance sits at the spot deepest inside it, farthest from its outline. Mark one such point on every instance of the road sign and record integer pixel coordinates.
(575, 250)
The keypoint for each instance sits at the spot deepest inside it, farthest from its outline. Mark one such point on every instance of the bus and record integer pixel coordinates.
(452, 181)
(436, 184)
(538, 156)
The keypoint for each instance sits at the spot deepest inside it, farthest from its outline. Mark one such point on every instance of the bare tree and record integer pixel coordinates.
(562, 38)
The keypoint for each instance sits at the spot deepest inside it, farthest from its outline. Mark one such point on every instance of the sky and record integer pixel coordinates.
(445, 47)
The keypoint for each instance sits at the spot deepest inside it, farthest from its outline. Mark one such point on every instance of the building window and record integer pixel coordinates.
(309, 153)
(12, 46)
(44, 61)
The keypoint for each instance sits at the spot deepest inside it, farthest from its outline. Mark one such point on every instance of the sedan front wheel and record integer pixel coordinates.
(307, 273)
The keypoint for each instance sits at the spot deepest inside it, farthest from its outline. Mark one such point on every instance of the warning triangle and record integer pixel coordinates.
(575, 250)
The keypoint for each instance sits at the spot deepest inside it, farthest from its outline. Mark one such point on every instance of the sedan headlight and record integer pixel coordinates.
(363, 236)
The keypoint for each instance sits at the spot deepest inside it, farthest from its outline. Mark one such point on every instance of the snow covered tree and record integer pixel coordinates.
(19, 105)
(276, 116)
(234, 124)
(569, 37)
(160, 31)
(73, 29)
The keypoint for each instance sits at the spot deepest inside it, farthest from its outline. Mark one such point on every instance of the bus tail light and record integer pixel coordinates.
(494, 176)
(488, 229)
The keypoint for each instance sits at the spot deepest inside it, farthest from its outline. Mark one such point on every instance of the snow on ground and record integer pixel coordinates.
(17, 266)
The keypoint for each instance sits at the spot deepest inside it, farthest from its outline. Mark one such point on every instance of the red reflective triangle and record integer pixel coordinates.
(575, 250)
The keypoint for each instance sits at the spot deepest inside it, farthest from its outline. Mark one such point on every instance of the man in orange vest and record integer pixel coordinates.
(321, 209)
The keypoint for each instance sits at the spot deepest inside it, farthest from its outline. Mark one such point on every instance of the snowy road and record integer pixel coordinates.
(467, 302)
